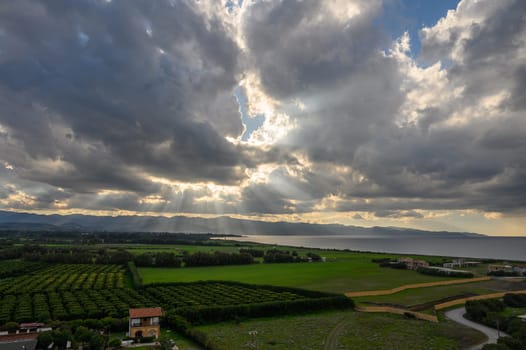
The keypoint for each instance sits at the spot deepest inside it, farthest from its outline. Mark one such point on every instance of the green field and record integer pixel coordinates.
(341, 330)
(412, 297)
(345, 274)
(232, 246)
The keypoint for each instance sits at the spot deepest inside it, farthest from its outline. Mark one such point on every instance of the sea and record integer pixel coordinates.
(505, 248)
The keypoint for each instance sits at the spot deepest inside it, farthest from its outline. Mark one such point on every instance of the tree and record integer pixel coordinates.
(114, 343)
(314, 256)
(11, 326)
(96, 341)
(511, 343)
(83, 335)
(45, 339)
(495, 347)
(166, 343)
(61, 337)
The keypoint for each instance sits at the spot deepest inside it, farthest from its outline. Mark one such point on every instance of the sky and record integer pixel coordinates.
(367, 112)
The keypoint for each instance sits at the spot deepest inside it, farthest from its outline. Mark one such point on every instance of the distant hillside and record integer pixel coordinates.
(220, 225)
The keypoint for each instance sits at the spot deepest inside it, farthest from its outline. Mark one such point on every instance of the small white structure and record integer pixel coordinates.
(456, 263)
(448, 270)
(503, 268)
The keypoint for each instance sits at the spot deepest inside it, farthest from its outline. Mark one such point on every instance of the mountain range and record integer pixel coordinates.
(220, 225)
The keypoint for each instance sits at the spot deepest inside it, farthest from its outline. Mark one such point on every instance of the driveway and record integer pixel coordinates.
(457, 315)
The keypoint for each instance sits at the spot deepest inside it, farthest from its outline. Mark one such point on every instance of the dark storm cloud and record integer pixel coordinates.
(111, 87)
(336, 67)
(98, 95)
(26, 195)
(261, 198)
(297, 46)
(353, 95)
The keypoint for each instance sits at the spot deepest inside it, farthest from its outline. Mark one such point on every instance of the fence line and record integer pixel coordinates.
(394, 310)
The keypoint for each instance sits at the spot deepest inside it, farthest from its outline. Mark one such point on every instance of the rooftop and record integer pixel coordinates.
(31, 325)
(146, 312)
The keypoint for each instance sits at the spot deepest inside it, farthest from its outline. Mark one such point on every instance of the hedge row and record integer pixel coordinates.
(135, 275)
(213, 314)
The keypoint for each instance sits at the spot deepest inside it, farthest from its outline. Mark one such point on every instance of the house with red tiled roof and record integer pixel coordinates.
(145, 322)
(412, 264)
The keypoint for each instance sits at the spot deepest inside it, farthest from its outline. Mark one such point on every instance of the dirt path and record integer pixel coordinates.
(332, 339)
(398, 311)
(457, 315)
(476, 297)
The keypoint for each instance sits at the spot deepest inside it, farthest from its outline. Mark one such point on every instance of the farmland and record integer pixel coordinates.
(17, 267)
(415, 297)
(353, 331)
(349, 273)
(209, 294)
(198, 300)
(77, 291)
(66, 277)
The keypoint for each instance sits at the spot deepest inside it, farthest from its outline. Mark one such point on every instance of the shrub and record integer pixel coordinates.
(409, 315)
(511, 343)
(146, 339)
(314, 257)
(394, 265)
(503, 273)
(177, 322)
(45, 339)
(114, 343)
(10, 326)
(478, 310)
(256, 253)
(217, 258)
(495, 347)
(515, 300)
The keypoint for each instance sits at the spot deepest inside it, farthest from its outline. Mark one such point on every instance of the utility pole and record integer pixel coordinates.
(254, 339)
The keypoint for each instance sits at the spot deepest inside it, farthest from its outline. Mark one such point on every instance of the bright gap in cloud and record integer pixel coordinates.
(250, 123)
(410, 16)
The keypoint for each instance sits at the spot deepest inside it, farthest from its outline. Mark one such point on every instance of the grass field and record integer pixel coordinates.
(413, 297)
(232, 246)
(182, 342)
(354, 331)
(354, 273)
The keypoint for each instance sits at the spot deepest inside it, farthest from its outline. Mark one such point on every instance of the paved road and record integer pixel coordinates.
(457, 315)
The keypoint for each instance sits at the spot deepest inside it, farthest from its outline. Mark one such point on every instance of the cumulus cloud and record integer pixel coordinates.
(122, 105)
(103, 91)
(447, 135)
